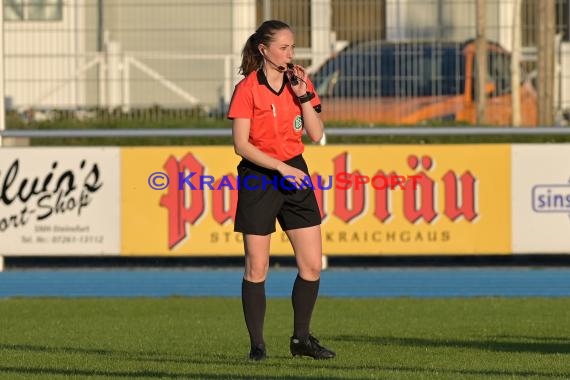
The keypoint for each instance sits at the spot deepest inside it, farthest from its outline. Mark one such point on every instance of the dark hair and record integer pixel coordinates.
(251, 58)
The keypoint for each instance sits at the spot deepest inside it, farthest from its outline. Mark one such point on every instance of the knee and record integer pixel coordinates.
(310, 273)
(256, 270)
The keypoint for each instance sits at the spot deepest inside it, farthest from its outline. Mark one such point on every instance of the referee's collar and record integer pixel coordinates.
(262, 80)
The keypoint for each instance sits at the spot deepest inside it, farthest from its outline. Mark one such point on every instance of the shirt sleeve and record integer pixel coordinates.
(241, 105)
(316, 101)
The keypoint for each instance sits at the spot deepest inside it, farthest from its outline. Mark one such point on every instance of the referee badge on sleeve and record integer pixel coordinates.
(298, 123)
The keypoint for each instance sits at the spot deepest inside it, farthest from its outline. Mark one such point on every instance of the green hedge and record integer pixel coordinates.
(169, 121)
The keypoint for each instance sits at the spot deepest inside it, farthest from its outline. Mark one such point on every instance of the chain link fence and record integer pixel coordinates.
(391, 62)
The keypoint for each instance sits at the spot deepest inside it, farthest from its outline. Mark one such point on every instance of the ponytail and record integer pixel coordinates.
(251, 58)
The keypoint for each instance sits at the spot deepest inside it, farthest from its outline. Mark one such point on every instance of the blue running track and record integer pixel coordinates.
(430, 282)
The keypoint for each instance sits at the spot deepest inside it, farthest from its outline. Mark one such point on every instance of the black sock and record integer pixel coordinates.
(304, 298)
(253, 302)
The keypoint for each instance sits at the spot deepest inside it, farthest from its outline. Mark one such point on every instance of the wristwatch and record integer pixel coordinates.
(306, 98)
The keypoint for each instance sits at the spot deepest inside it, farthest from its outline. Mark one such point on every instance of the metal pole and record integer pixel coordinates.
(516, 65)
(541, 130)
(440, 27)
(101, 72)
(2, 89)
(100, 25)
(545, 71)
(267, 10)
(481, 56)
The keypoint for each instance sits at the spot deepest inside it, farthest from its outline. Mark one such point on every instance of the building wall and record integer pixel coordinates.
(191, 48)
(168, 40)
(451, 20)
(42, 59)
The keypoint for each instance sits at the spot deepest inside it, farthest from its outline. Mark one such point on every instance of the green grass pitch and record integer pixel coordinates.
(205, 338)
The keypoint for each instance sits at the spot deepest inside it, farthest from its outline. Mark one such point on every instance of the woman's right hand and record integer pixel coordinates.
(293, 175)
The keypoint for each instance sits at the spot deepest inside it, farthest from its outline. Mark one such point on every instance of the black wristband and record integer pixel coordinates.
(306, 98)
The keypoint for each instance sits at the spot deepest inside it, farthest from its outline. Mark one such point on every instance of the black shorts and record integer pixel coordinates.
(264, 195)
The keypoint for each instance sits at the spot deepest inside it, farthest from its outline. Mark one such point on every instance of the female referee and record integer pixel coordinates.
(270, 107)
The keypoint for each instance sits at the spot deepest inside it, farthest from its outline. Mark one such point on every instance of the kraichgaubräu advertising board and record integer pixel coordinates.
(374, 200)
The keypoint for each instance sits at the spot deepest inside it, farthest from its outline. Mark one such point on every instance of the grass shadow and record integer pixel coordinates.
(503, 343)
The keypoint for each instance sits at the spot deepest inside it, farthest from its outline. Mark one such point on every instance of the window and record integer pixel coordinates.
(33, 10)
(563, 19)
(499, 69)
(498, 73)
(530, 20)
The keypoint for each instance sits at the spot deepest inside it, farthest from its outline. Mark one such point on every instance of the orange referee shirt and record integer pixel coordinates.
(276, 117)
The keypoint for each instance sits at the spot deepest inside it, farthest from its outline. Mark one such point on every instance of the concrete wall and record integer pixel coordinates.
(41, 59)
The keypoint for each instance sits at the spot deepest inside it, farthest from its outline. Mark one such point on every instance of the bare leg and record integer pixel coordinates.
(256, 257)
(308, 248)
